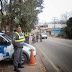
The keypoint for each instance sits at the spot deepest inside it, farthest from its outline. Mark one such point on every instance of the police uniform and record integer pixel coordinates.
(18, 39)
(40, 37)
(37, 37)
(26, 37)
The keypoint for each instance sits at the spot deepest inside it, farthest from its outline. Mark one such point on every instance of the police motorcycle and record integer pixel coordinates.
(6, 47)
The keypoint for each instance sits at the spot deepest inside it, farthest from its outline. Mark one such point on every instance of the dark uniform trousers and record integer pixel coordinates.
(40, 39)
(27, 39)
(17, 56)
(37, 38)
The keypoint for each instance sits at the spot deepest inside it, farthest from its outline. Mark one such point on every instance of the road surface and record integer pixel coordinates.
(56, 54)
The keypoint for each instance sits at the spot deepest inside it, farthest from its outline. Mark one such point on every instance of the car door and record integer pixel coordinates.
(10, 47)
(3, 48)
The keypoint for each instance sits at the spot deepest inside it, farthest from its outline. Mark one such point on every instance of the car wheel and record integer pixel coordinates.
(24, 59)
(46, 37)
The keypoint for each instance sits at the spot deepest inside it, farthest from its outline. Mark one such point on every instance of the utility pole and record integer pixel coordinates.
(54, 20)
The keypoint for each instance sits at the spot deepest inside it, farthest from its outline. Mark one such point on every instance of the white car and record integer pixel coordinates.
(7, 49)
(27, 51)
(44, 35)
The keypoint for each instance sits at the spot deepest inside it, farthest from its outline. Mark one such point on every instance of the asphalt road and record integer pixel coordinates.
(56, 54)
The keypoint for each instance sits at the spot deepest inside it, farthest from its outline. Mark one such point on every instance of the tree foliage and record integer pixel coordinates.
(23, 12)
(68, 29)
(64, 17)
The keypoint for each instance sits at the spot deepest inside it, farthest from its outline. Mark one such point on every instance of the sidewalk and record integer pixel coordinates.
(6, 66)
(36, 68)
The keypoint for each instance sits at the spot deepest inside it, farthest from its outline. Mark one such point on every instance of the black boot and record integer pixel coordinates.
(16, 69)
(20, 66)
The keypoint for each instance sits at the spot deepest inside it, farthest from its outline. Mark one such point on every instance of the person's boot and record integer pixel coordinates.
(16, 69)
(20, 66)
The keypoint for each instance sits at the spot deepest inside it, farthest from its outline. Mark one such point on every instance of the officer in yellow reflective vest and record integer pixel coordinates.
(40, 37)
(18, 42)
(37, 36)
(26, 34)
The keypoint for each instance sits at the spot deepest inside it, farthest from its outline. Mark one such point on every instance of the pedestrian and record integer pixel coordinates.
(26, 34)
(33, 38)
(40, 37)
(37, 36)
(18, 42)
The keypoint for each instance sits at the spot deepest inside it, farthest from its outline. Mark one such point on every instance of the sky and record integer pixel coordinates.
(54, 8)
(3, 0)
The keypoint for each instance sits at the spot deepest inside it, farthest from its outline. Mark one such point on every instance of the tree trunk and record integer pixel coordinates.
(20, 1)
(2, 24)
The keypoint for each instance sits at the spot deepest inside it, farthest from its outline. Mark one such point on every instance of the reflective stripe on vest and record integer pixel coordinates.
(21, 38)
(27, 34)
(37, 34)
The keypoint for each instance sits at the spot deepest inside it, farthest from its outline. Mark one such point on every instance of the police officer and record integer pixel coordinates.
(18, 42)
(37, 36)
(33, 38)
(26, 34)
(40, 37)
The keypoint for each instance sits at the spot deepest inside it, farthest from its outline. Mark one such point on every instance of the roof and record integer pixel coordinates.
(56, 25)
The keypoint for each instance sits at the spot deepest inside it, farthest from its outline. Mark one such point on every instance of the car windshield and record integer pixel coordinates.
(7, 37)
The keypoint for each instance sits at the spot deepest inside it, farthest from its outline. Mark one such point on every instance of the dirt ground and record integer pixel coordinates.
(7, 66)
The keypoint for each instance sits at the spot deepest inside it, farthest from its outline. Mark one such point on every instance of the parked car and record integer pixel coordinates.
(7, 49)
(26, 52)
(44, 35)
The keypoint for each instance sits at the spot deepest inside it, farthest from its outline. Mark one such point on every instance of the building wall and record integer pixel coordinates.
(48, 28)
(57, 31)
(56, 25)
(58, 28)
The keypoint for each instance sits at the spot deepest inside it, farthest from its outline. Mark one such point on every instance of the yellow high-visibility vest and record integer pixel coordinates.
(36, 34)
(21, 38)
(26, 34)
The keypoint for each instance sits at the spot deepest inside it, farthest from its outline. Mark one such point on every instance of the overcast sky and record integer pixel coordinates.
(54, 8)
(3, 0)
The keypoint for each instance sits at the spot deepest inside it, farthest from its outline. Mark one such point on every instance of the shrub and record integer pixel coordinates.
(62, 35)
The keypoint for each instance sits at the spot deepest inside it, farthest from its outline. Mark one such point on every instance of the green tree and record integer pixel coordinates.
(24, 12)
(68, 28)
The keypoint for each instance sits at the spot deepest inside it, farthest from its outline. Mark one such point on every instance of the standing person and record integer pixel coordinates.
(40, 37)
(26, 34)
(33, 38)
(37, 36)
(18, 42)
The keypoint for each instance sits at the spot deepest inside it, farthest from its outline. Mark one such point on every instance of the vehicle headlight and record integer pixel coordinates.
(31, 49)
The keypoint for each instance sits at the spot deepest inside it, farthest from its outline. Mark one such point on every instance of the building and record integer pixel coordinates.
(49, 28)
(55, 29)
